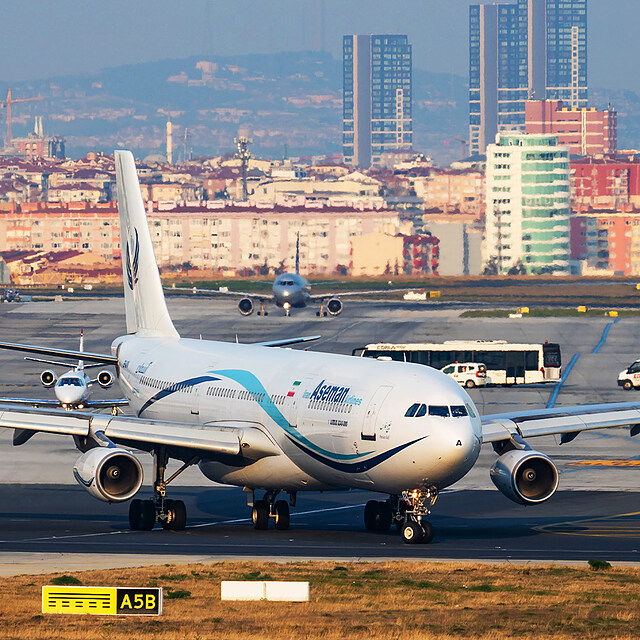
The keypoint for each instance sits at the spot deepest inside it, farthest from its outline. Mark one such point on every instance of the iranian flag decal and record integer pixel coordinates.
(294, 388)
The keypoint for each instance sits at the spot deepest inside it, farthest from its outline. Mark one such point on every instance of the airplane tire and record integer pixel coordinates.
(412, 532)
(260, 515)
(135, 515)
(427, 529)
(148, 515)
(281, 510)
(179, 516)
(370, 515)
(384, 517)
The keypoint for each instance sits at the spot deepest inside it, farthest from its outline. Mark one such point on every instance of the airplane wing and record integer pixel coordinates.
(60, 353)
(88, 404)
(286, 341)
(61, 364)
(214, 438)
(263, 297)
(372, 292)
(567, 422)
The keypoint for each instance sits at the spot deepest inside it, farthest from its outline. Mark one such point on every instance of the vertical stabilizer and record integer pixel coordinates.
(80, 366)
(144, 301)
(298, 254)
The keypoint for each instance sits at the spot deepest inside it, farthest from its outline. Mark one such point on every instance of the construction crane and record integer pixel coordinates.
(463, 145)
(7, 103)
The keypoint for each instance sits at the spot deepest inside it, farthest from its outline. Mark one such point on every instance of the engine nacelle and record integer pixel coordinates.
(245, 306)
(105, 379)
(48, 378)
(334, 306)
(525, 476)
(111, 475)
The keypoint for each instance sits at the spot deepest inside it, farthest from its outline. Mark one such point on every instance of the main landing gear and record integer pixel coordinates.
(262, 311)
(408, 512)
(321, 313)
(268, 508)
(171, 514)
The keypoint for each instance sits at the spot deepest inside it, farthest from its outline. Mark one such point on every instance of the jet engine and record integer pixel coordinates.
(48, 378)
(525, 476)
(334, 306)
(109, 474)
(245, 306)
(105, 379)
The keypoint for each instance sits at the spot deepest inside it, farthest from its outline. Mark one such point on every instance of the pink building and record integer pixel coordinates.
(585, 131)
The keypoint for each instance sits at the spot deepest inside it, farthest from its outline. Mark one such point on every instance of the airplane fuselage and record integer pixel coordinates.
(339, 421)
(291, 289)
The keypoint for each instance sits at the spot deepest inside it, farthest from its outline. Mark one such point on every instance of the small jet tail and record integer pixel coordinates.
(298, 254)
(80, 366)
(144, 301)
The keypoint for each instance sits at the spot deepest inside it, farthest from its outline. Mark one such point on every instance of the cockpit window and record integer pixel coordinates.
(411, 411)
(71, 382)
(470, 410)
(440, 411)
(422, 411)
(459, 411)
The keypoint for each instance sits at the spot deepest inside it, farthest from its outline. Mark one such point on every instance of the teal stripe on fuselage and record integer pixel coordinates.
(249, 381)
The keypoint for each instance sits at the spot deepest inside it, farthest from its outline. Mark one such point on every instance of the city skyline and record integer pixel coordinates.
(158, 30)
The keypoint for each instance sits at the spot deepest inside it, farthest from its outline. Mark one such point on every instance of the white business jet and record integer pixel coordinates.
(72, 388)
(276, 421)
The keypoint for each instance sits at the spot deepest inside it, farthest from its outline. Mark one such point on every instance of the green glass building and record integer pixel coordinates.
(528, 208)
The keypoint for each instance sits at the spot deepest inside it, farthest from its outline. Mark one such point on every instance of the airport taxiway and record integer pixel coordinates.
(595, 513)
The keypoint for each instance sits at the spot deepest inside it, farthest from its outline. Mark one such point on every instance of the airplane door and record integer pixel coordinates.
(293, 399)
(194, 402)
(369, 422)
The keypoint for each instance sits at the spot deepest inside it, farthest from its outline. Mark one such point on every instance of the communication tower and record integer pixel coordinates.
(242, 142)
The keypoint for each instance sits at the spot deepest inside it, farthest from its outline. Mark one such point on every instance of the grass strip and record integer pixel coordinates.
(408, 600)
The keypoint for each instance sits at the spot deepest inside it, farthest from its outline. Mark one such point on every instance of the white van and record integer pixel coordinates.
(629, 378)
(468, 374)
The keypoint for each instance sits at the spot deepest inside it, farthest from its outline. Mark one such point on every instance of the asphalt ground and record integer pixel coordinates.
(595, 513)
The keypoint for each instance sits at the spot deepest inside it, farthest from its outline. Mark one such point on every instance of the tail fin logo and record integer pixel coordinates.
(132, 263)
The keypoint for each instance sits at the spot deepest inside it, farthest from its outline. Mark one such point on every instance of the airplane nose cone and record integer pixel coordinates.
(458, 449)
(69, 394)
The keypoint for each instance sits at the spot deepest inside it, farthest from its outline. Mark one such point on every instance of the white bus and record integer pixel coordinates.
(506, 363)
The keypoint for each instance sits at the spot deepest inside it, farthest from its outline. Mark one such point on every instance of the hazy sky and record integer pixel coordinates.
(41, 38)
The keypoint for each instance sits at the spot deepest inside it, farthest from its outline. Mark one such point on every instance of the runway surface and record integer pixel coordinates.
(595, 514)
(476, 524)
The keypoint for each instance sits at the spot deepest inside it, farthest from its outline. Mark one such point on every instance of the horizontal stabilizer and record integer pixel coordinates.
(60, 353)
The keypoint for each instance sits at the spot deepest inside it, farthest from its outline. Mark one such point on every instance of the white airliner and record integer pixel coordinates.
(292, 290)
(282, 421)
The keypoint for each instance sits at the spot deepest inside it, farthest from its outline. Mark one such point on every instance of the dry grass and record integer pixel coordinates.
(407, 600)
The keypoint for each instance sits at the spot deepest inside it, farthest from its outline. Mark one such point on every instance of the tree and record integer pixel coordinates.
(518, 269)
(491, 267)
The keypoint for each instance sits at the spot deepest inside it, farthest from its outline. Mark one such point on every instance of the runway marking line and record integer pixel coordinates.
(599, 527)
(605, 463)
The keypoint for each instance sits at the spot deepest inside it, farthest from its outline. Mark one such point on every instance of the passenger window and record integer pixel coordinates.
(422, 411)
(459, 411)
(440, 411)
(462, 369)
(411, 411)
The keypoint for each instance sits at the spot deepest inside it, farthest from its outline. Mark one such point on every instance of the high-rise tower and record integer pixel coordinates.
(532, 49)
(376, 97)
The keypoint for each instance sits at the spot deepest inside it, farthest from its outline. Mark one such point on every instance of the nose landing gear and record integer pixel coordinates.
(416, 528)
(407, 512)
